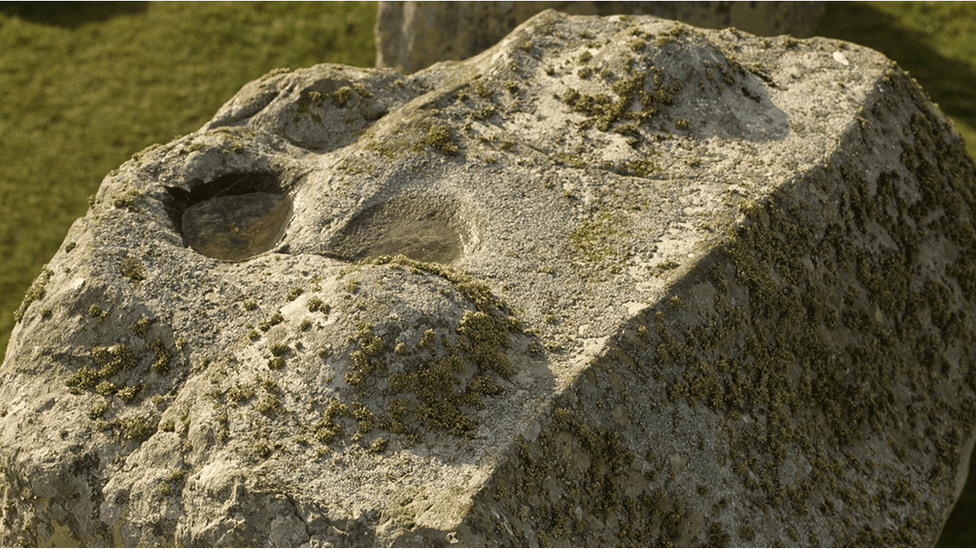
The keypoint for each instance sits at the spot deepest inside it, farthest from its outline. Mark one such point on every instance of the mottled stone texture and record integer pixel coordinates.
(414, 35)
(660, 285)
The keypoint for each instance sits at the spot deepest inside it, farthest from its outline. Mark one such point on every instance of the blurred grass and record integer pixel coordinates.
(83, 86)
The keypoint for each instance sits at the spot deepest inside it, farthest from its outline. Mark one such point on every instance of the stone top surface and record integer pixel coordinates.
(410, 36)
(712, 280)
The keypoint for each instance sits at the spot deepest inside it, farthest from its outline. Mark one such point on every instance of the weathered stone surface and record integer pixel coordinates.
(410, 36)
(696, 287)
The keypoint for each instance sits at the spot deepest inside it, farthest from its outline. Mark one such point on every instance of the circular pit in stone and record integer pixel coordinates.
(234, 217)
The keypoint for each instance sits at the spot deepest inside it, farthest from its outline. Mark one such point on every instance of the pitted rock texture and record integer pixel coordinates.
(659, 285)
(414, 35)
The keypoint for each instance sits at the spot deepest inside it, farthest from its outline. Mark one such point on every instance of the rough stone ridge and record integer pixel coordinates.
(411, 36)
(663, 285)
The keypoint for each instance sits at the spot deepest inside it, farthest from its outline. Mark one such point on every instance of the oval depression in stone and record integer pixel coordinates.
(424, 228)
(237, 227)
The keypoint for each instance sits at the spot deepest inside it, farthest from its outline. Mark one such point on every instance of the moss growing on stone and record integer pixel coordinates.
(240, 393)
(113, 359)
(132, 269)
(136, 428)
(379, 445)
(163, 357)
(430, 390)
(487, 336)
(341, 96)
(105, 388)
(141, 327)
(279, 349)
(596, 239)
(98, 409)
(269, 405)
(274, 320)
(95, 311)
(294, 293)
(439, 137)
(84, 378)
(126, 198)
(326, 430)
(317, 305)
(128, 393)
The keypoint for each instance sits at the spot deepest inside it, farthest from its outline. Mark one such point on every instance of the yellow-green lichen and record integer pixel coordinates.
(136, 428)
(274, 320)
(95, 311)
(598, 239)
(603, 111)
(126, 198)
(163, 357)
(317, 305)
(141, 327)
(98, 409)
(35, 292)
(269, 405)
(132, 269)
(429, 390)
(440, 138)
(240, 393)
(294, 293)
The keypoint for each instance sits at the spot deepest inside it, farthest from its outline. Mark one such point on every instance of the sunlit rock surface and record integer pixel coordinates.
(658, 285)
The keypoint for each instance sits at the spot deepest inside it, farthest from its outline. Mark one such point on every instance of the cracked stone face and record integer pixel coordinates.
(615, 281)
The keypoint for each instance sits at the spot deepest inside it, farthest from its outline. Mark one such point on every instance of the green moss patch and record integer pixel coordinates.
(35, 292)
(599, 239)
(430, 391)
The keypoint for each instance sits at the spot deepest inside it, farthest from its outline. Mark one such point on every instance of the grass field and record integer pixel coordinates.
(83, 87)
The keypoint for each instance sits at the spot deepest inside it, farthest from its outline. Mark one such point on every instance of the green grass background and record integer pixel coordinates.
(84, 86)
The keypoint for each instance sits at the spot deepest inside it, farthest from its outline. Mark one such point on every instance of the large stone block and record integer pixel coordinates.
(658, 285)
(410, 36)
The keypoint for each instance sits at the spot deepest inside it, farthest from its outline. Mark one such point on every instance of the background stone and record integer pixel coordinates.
(723, 301)
(413, 35)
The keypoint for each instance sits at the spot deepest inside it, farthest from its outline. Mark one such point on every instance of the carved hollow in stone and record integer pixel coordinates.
(237, 227)
(231, 217)
(422, 228)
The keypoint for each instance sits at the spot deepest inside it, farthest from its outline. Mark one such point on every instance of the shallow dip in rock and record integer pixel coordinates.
(423, 228)
(237, 227)
(421, 238)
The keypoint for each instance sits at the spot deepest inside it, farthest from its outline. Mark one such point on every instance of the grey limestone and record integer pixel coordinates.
(613, 281)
